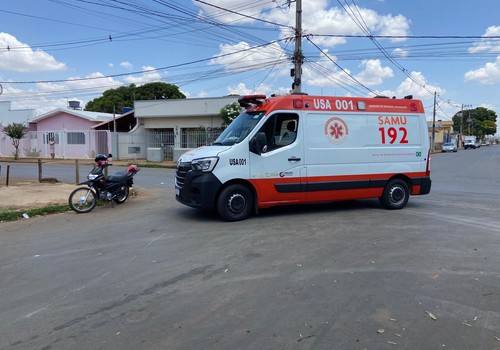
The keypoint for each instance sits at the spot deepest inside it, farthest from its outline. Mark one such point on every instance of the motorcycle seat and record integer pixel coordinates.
(119, 176)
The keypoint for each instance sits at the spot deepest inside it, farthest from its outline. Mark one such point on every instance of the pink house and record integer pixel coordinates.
(73, 132)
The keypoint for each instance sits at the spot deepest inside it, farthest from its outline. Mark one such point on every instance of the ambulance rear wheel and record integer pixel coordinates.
(395, 195)
(235, 203)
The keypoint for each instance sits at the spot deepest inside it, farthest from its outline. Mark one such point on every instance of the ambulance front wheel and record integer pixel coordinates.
(235, 203)
(396, 194)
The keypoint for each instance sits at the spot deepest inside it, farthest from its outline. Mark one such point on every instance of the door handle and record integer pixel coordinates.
(293, 159)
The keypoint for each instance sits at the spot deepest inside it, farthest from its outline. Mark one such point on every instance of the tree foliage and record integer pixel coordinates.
(15, 131)
(229, 112)
(479, 122)
(114, 100)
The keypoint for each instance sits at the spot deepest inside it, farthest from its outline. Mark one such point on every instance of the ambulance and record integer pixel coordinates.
(300, 148)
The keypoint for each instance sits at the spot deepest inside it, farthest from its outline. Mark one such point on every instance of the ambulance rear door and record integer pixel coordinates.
(277, 171)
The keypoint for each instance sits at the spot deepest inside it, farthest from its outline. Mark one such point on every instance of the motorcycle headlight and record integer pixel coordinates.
(92, 176)
(204, 164)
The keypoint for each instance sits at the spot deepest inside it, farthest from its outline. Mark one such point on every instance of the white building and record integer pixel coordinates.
(9, 116)
(181, 115)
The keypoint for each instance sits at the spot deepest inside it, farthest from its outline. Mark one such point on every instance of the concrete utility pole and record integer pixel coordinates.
(298, 57)
(460, 141)
(433, 122)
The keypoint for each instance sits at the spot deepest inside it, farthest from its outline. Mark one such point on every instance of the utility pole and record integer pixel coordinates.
(433, 123)
(460, 142)
(298, 57)
(114, 119)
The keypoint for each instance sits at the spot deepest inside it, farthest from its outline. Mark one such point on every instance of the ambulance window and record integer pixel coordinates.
(281, 130)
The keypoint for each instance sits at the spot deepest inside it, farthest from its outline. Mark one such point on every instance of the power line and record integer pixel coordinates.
(145, 70)
(342, 69)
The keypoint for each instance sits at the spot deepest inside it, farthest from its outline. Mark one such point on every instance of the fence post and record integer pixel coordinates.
(7, 178)
(77, 172)
(39, 170)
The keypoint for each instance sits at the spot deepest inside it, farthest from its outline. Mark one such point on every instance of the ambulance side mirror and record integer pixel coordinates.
(258, 143)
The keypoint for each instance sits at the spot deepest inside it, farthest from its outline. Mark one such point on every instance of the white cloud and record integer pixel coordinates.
(373, 73)
(487, 75)
(320, 18)
(147, 77)
(242, 89)
(400, 52)
(127, 65)
(325, 20)
(45, 97)
(241, 57)
(226, 16)
(485, 45)
(21, 58)
(94, 82)
(420, 90)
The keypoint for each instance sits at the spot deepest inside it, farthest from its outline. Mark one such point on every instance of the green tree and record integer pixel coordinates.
(229, 112)
(16, 131)
(113, 100)
(479, 121)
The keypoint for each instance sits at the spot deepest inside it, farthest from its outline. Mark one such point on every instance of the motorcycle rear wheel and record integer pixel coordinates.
(82, 200)
(122, 194)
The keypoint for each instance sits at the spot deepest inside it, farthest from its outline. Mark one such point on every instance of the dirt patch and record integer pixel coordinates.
(32, 194)
(25, 194)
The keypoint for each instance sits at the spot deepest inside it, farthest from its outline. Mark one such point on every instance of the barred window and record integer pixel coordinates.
(49, 136)
(76, 138)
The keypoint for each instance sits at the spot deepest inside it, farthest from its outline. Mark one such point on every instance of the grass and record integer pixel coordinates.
(13, 215)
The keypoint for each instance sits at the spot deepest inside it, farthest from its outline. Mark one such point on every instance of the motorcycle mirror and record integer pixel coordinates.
(110, 155)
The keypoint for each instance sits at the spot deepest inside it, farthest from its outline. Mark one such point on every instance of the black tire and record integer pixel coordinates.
(396, 194)
(122, 194)
(82, 200)
(235, 203)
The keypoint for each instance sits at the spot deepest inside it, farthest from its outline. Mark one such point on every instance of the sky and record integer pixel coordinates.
(55, 51)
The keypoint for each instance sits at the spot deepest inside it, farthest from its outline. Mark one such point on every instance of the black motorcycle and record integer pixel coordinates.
(113, 188)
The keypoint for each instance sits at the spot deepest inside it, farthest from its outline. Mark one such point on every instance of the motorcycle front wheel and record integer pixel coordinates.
(122, 194)
(82, 200)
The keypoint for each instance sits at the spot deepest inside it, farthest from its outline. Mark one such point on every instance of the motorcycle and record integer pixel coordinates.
(113, 188)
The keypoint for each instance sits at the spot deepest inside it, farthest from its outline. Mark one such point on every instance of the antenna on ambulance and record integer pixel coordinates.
(298, 57)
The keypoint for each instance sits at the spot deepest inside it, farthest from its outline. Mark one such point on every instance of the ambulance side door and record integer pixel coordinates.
(277, 159)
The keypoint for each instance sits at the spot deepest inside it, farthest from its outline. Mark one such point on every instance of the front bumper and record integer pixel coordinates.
(199, 190)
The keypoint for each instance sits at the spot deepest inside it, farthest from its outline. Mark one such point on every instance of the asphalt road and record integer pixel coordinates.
(153, 274)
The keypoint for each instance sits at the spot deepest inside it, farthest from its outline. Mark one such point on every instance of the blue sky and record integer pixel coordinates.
(52, 51)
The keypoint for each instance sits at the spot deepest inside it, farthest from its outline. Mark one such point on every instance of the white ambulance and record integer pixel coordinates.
(307, 149)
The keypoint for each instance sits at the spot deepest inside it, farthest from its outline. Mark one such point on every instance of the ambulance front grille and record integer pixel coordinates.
(181, 172)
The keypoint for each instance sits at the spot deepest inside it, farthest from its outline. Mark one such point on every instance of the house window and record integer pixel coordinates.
(76, 138)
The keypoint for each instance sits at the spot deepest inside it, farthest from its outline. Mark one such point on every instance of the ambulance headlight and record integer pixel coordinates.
(204, 164)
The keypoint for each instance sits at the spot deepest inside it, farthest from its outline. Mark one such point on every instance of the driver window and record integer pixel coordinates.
(281, 130)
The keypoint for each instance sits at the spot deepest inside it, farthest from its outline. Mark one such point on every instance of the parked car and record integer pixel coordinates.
(485, 143)
(449, 147)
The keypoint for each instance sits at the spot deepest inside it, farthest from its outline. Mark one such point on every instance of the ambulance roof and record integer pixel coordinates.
(331, 103)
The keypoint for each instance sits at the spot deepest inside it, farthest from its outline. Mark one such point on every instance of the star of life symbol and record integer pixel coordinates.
(336, 130)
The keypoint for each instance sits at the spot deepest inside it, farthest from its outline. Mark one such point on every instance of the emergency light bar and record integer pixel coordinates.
(248, 100)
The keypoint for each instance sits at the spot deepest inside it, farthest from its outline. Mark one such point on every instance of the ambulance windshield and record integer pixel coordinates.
(239, 128)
